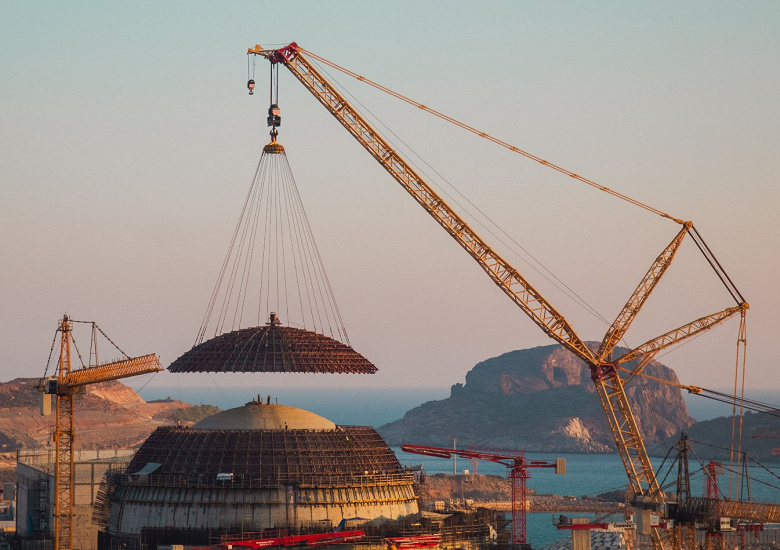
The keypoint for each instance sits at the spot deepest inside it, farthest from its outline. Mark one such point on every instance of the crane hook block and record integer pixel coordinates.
(274, 117)
(251, 86)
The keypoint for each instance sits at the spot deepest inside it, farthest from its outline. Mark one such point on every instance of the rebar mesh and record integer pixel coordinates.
(268, 457)
(273, 348)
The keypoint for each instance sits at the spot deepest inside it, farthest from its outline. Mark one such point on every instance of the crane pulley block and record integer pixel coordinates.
(274, 116)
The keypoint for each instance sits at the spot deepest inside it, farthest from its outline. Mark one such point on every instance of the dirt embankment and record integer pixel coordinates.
(495, 492)
(108, 415)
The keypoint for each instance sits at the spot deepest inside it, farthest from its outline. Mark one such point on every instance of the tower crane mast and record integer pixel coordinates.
(64, 387)
(518, 472)
(604, 369)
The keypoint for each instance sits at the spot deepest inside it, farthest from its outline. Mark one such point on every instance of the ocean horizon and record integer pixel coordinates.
(369, 406)
(347, 406)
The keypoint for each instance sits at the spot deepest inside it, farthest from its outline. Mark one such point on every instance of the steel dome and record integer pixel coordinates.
(273, 348)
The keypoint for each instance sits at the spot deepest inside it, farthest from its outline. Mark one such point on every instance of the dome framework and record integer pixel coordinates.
(189, 482)
(273, 348)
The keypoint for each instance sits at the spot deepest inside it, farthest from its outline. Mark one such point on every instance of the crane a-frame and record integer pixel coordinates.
(605, 370)
(64, 386)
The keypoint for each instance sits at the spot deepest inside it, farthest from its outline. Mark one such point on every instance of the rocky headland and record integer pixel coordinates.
(540, 399)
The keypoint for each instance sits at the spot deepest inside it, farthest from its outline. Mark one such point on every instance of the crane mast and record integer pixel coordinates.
(63, 446)
(604, 371)
(518, 474)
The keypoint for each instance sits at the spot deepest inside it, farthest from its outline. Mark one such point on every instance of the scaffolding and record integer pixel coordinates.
(266, 457)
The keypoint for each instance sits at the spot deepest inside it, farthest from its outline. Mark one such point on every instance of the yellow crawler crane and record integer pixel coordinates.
(64, 386)
(605, 370)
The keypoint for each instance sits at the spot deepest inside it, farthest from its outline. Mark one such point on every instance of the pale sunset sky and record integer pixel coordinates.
(128, 142)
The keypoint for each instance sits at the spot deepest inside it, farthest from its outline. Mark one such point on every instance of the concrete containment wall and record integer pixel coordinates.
(139, 505)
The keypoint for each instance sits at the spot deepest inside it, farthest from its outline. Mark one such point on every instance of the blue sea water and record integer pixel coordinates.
(355, 406)
(589, 474)
(586, 474)
(375, 406)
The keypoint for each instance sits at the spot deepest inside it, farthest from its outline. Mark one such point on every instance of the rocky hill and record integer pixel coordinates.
(539, 399)
(711, 439)
(107, 415)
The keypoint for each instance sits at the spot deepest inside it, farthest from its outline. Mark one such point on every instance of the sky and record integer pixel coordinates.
(129, 140)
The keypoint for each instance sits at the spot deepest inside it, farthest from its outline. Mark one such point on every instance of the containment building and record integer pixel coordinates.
(257, 467)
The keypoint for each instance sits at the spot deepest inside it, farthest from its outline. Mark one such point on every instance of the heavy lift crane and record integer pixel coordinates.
(605, 370)
(64, 387)
(518, 472)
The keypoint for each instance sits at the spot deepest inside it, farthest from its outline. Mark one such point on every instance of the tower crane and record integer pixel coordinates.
(604, 368)
(518, 472)
(64, 386)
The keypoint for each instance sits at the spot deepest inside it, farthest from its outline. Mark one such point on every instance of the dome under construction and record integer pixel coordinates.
(273, 348)
(260, 466)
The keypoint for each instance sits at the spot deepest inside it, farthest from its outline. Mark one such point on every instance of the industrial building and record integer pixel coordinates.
(36, 490)
(257, 467)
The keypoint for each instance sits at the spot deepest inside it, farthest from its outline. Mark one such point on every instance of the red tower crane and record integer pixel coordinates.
(518, 472)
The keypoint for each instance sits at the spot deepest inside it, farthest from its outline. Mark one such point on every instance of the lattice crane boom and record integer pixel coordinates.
(681, 333)
(124, 368)
(604, 373)
(499, 270)
(634, 304)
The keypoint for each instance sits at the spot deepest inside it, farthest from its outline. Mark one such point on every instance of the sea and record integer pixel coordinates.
(586, 474)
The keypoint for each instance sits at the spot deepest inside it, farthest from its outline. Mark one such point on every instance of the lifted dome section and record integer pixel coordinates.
(273, 348)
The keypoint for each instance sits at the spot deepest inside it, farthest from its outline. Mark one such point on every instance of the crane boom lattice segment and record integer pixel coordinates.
(682, 333)
(623, 424)
(134, 366)
(63, 448)
(640, 295)
(715, 507)
(499, 270)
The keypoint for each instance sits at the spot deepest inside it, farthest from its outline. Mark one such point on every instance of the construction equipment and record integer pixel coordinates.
(292, 541)
(581, 530)
(711, 512)
(64, 386)
(605, 370)
(518, 472)
(415, 541)
(768, 434)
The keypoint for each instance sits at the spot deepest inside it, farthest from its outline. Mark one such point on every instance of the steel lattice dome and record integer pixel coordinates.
(273, 348)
